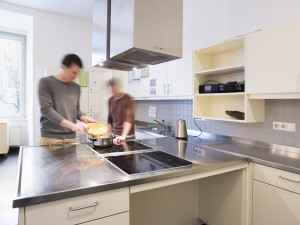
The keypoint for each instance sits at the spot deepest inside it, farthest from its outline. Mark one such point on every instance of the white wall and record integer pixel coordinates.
(207, 22)
(53, 36)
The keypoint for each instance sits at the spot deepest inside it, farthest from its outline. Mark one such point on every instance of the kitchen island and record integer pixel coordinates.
(73, 184)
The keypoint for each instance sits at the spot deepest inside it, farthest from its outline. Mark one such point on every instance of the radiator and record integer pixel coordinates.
(15, 135)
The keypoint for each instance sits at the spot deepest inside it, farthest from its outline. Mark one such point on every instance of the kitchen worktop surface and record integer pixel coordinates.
(277, 156)
(48, 173)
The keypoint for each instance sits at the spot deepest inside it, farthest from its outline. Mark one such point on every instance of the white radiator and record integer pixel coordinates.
(15, 135)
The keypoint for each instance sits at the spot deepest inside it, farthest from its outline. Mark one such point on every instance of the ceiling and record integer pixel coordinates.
(75, 8)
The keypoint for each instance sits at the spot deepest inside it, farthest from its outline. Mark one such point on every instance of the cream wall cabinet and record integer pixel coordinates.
(276, 196)
(170, 80)
(82, 209)
(4, 146)
(180, 76)
(222, 63)
(273, 68)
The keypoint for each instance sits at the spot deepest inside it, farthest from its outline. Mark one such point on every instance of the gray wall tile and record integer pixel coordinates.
(276, 110)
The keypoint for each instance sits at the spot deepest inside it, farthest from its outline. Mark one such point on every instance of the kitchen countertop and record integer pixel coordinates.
(277, 156)
(48, 173)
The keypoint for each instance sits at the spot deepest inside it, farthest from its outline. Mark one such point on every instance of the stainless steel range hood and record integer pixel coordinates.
(138, 32)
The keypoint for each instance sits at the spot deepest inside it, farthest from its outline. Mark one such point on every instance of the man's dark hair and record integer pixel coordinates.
(113, 82)
(69, 59)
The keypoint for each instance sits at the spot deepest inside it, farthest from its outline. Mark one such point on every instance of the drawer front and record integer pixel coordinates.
(79, 209)
(119, 219)
(276, 177)
(274, 206)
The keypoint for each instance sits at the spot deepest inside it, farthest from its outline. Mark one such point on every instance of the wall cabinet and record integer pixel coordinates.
(273, 67)
(170, 80)
(276, 196)
(222, 63)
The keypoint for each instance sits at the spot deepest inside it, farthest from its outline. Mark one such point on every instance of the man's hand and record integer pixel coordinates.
(119, 139)
(86, 119)
(79, 127)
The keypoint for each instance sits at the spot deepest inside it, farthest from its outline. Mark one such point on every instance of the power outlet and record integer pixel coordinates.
(284, 126)
(277, 125)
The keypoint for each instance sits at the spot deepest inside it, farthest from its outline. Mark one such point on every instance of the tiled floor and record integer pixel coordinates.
(8, 172)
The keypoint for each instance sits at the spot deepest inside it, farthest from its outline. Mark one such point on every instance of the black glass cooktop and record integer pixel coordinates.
(125, 146)
(147, 162)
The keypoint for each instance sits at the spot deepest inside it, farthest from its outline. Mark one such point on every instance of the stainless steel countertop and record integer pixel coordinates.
(277, 156)
(58, 172)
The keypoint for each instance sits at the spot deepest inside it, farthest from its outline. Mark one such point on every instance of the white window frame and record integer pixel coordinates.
(22, 113)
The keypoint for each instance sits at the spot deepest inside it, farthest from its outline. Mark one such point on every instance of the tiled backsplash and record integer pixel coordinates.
(276, 110)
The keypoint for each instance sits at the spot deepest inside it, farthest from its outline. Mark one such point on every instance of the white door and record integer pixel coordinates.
(95, 82)
(274, 206)
(273, 60)
(180, 76)
(84, 101)
(95, 102)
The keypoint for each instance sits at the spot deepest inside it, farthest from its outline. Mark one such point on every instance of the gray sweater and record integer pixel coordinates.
(58, 101)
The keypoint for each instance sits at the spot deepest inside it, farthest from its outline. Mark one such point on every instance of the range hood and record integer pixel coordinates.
(137, 32)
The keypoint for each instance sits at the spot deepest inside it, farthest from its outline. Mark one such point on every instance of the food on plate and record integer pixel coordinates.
(96, 129)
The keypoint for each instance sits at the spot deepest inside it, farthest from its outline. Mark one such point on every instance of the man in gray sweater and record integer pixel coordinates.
(59, 104)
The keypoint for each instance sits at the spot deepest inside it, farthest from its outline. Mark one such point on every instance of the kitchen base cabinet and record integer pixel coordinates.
(276, 196)
(80, 209)
(119, 219)
(274, 206)
(3, 139)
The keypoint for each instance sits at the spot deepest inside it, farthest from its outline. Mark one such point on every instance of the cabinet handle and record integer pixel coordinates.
(169, 88)
(165, 88)
(289, 179)
(84, 207)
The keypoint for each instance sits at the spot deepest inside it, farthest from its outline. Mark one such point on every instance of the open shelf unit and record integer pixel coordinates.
(222, 63)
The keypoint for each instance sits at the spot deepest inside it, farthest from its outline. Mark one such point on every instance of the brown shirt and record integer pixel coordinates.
(120, 110)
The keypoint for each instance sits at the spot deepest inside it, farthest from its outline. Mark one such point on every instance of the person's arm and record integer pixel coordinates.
(74, 126)
(126, 129)
(86, 119)
(109, 119)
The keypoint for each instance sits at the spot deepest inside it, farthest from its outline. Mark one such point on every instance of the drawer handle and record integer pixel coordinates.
(289, 179)
(84, 207)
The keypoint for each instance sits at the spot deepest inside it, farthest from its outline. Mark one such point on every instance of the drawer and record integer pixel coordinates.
(119, 219)
(283, 179)
(78, 209)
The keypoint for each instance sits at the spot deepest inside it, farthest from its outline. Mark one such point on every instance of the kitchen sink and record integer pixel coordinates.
(146, 133)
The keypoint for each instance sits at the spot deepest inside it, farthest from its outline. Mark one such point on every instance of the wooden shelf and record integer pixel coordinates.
(223, 70)
(219, 94)
(222, 119)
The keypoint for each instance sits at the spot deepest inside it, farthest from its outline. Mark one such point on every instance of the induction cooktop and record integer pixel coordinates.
(147, 162)
(126, 146)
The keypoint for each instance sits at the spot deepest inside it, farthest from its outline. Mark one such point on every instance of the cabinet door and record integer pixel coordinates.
(180, 76)
(276, 206)
(159, 76)
(95, 102)
(84, 101)
(3, 138)
(142, 88)
(122, 218)
(95, 82)
(273, 60)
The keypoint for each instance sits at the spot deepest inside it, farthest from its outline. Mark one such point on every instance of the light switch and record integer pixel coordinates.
(152, 111)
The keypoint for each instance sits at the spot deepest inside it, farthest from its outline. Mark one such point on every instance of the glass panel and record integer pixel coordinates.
(12, 82)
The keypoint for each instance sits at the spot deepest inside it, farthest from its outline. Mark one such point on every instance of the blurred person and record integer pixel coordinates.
(59, 104)
(120, 113)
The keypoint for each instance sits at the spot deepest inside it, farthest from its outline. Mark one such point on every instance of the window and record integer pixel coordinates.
(12, 76)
